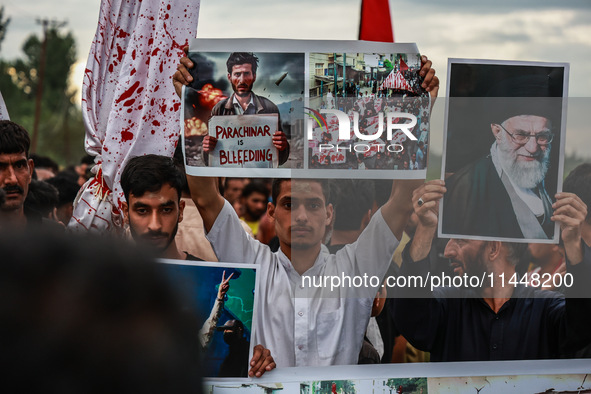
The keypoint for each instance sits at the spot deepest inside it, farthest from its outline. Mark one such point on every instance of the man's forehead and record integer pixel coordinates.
(242, 67)
(164, 195)
(257, 196)
(529, 123)
(301, 188)
(466, 242)
(12, 157)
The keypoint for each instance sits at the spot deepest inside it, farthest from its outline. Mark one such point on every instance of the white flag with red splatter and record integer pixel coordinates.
(128, 100)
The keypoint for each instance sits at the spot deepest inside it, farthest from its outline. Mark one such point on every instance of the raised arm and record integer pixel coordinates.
(182, 76)
(570, 212)
(573, 319)
(399, 207)
(207, 198)
(425, 201)
(397, 210)
(208, 329)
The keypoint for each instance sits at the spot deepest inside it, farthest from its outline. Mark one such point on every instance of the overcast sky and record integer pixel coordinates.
(537, 30)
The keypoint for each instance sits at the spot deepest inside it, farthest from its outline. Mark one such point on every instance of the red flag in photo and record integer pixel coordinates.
(375, 23)
(403, 65)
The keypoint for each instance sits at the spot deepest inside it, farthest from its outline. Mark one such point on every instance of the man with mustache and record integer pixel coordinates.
(503, 194)
(16, 171)
(497, 317)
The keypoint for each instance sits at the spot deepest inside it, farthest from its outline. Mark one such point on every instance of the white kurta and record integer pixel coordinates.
(308, 326)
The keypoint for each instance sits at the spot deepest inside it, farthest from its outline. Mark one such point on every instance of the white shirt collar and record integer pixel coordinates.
(238, 106)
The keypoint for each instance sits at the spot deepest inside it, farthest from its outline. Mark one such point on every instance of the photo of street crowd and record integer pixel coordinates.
(367, 88)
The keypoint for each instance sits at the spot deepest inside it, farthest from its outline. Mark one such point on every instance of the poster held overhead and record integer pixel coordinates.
(340, 106)
(503, 149)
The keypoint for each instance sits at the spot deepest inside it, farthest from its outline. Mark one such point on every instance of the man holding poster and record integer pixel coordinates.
(239, 140)
(300, 323)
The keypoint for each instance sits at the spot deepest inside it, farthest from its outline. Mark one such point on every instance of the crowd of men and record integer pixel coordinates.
(403, 154)
(320, 228)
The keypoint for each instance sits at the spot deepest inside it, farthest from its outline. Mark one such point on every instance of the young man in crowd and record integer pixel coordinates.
(301, 326)
(317, 327)
(254, 201)
(152, 186)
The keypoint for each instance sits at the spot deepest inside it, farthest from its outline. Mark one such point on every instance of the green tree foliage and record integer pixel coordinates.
(409, 385)
(388, 65)
(61, 129)
(4, 22)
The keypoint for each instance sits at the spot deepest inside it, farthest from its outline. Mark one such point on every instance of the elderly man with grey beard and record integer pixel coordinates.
(504, 194)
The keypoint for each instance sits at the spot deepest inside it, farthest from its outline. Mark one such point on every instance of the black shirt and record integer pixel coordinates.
(456, 324)
(190, 257)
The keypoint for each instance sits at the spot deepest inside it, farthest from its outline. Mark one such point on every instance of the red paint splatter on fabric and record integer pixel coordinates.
(132, 72)
(156, 123)
(161, 66)
(122, 34)
(155, 51)
(168, 7)
(153, 132)
(156, 88)
(140, 90)
(120, 52)
(128, 103)
(133, 54)
(110, 68)
(126, 135)
(163, 108)
(127, 94)
(177, 106)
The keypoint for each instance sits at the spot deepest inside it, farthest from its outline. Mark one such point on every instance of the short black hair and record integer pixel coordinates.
(515, 252)
(87, 159)
(237, 58)
(66, 183)
(13, 138)
(276, 188)
(254, 187)
(41, 199)
(45, 162)
(578, 182)
(353, 199)
(149, 173)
